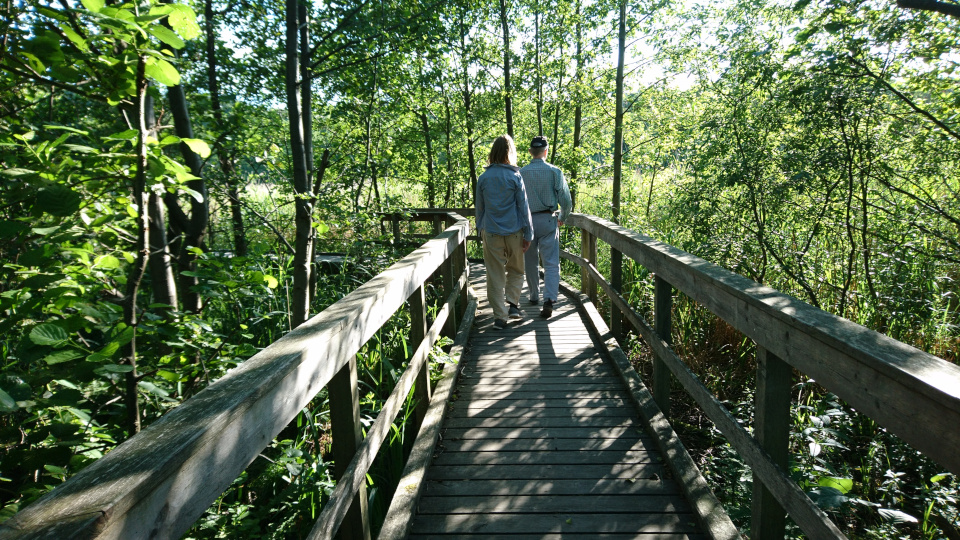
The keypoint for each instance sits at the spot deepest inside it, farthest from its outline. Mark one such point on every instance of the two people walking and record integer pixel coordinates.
(517, 216)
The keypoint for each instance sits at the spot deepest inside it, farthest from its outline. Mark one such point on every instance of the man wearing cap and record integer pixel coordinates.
(547, 193)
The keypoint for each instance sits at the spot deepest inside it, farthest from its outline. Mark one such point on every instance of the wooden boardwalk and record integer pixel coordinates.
(541, 441)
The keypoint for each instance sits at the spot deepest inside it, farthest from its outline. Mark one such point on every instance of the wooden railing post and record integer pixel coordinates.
(463, 269)
(449, 327)
(347, 436)
(588, 249)
(395, 221)
(616, 281)
(772, 430)
(418, 329)
(662, 306)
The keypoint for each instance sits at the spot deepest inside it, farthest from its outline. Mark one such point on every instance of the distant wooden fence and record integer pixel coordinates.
(911, 393)
(157, 484)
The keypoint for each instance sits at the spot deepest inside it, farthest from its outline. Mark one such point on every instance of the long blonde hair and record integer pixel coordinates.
(503, 151)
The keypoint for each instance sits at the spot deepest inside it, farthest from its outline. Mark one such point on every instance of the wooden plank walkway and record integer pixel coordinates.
(541, 441)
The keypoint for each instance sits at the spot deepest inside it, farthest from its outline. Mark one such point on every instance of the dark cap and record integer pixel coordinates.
(538, 142)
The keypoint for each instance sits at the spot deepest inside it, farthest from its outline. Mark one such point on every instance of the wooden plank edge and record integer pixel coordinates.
(402, 509)
(708, 510)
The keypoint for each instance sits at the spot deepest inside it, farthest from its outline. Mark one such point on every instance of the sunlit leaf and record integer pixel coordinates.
(162, 71)
(108, 262)
(843, 485)
(93, 5)
(200, 147)
(167, 36)
(271, 281)
(184, 21)
(896, 516)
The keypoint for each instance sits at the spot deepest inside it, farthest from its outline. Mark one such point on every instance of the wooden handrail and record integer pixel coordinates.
(160, 481)
(913, 394)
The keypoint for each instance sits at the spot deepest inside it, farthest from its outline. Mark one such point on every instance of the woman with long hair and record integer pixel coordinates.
(503, 219)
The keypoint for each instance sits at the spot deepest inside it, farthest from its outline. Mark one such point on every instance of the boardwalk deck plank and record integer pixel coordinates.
(541, 441)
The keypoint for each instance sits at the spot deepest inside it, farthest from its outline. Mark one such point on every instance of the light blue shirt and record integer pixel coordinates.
(546, 188)
(502, 202)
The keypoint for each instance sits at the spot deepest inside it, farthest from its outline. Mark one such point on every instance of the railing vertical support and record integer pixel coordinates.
(463, 269)
(772, 430)
(616, 281)
(450, 327)
(662, 306)
(588, 249)
(345, 427)
(395, 221)
(418, 329)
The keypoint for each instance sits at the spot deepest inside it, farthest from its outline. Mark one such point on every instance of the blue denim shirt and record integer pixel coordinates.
(502, 202)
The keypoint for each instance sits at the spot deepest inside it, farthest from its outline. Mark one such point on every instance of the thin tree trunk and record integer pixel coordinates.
(226, 163)
(448, 126)
(536, 61)
(507, 101)
(468, 119)
(578, 109)
(618, 118)
(555, 141)
(321, 170)
(142, 248)
(300, 304)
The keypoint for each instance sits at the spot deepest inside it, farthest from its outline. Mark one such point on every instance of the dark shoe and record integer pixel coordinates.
(514, 312)
(547, 309)
(500, 324)
(534, 301)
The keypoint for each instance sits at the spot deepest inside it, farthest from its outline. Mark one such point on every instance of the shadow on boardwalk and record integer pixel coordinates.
(541, 441)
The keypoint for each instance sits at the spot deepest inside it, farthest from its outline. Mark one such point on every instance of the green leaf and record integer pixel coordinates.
(75, 38)
(60, 357)
(827, 497)
(167, 36)
(17, 172)
(127, 135)
(48, 334)
(271, 282)
(58, 200)
(896, 516)
(937, 478)
(81, 415)
(193, 193)
(108, 262)
(93, 5)
(117, 368)
(200, 147)
(121, 333)
(162, 71)
(153, 389)
(7, 403)
(843, 485)
(184, 21)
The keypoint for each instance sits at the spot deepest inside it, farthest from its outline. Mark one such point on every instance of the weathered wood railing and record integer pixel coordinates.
(159, 482)
(911, 393)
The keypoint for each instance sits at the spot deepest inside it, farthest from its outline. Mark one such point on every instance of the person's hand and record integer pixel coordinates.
(560, 223)
(526, 245)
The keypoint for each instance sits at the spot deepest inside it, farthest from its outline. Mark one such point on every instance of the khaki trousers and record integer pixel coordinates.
(503, 259)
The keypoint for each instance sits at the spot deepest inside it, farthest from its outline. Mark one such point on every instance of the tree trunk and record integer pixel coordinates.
(142, 249)
(300, 303)
(226, 163)
(448, 127)
(162, 280)
(468, 119)
(321, 170)
(555, 142)
(577, 110)
(618, 118)
(193, 228)
(507, 101)
(536, 61)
